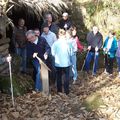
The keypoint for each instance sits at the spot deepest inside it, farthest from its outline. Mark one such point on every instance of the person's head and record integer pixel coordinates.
(65, 16)
(69, 34)
(21, 22)
(95, 30)
(45, 28)
(111, 33)
(37, 32)
(61, 33)
(74, 31)
(48, 17)
(31, 36)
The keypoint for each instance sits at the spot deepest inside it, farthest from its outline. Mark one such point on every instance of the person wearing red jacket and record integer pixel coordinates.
(74, 33)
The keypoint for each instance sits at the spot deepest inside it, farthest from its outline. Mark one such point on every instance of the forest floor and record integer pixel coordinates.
(91, 98)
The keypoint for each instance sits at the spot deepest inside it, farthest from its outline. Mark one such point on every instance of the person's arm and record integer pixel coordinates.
(79, 45)
(53, 51)
(55, 38)
(100, 42)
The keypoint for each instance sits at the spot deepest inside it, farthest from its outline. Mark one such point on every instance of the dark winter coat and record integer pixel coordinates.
(94, 40)
(62, 23)
(41, 47)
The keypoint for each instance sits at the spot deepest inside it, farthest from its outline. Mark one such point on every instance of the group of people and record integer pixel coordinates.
(110, 47)
(57, 45)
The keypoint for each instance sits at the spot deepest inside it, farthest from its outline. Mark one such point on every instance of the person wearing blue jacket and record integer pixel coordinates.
(37, 46)
(109, 50)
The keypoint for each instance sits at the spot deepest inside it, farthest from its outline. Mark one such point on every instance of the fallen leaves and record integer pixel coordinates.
(37, 106)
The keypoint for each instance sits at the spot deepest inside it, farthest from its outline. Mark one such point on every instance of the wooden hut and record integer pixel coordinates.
(30, 7)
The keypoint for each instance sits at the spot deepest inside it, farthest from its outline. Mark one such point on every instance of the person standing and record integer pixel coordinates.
(20, 41)
(48, 35)
(50, 38)
(37, 46)
(95, 41)
(61, 52)
(65, 23)
(73, 49)
(80, 47)
(52, 26)
(109, 49)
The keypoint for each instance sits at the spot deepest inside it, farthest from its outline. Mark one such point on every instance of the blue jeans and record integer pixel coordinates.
(74, 68)
(38, 81)
(59, 71)
(91, 56)
(23, 53)
(118, 62)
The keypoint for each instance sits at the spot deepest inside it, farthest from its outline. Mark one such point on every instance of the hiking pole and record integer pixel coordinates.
(84, 61)
(106, 60)
(94, 62)
(10, 72)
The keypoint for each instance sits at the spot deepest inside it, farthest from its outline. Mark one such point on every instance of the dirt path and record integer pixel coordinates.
(91, 98)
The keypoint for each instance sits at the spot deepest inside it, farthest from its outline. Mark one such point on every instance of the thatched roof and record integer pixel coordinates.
(36, 6)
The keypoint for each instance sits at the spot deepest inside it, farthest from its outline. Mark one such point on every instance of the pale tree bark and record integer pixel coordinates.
(4, 42)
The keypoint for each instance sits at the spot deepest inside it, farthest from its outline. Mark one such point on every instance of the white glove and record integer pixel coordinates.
(45, 56)
(9, 58)
(105, 50)
(96, 49)
(65, 26)
(89, 47)
(35, 54)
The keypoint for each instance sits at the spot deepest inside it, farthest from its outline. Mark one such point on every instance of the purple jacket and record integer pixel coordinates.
(118, 50)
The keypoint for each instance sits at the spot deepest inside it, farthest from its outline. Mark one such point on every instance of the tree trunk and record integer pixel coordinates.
(4, 44)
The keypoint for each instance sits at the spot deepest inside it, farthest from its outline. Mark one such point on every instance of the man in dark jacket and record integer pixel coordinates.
(65, 23)
(19, 40)
(37, 46)
(52, 26)
(95, 41)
